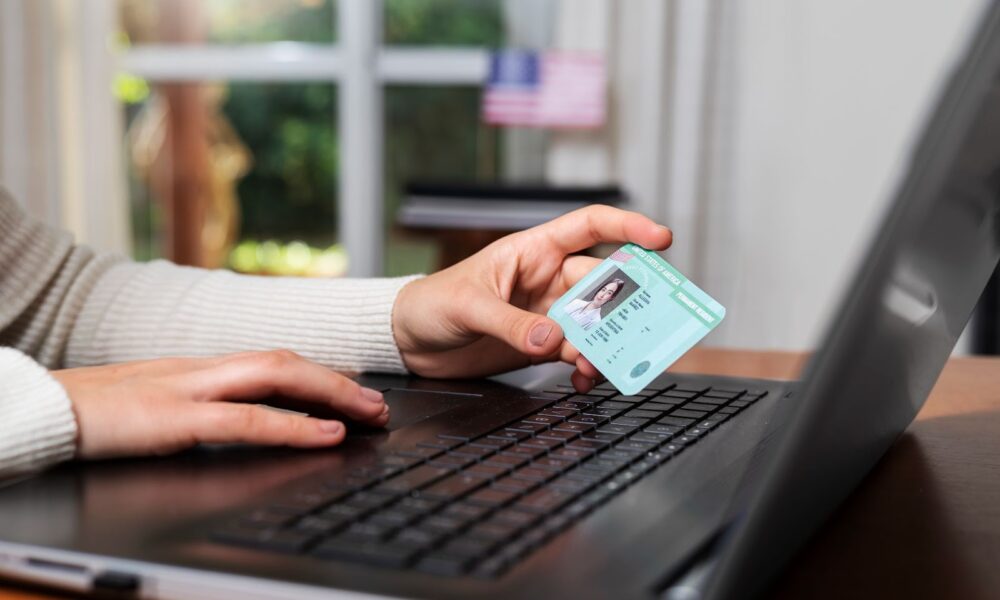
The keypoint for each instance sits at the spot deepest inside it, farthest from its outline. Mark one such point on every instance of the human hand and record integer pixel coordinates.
(485, 315)
(162, 406)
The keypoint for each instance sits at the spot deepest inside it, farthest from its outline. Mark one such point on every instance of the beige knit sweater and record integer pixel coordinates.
(62, 305)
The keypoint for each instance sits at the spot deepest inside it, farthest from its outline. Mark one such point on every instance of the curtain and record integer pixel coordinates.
(60, 129)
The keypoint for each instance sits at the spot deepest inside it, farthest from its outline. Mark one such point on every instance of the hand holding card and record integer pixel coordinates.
(634, 315)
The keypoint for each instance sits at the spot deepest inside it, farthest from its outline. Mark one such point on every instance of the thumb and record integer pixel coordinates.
(526, 332)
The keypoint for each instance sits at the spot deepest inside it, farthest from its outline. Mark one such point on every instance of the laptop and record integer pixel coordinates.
(518, 487)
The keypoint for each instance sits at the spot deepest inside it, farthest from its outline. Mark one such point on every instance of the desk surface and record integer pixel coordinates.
(926, 521)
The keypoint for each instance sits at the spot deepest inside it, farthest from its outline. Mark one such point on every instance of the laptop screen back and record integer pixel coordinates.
(895, 327)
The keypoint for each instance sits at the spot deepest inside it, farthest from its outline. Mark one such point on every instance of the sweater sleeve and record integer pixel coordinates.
(66, 306)
(37, 425)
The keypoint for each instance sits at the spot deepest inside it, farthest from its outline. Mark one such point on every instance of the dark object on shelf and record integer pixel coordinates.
(495, 207)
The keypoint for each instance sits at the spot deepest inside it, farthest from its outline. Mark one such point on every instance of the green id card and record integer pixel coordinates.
(634, 315)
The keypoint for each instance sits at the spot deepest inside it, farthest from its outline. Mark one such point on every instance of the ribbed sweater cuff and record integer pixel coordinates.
(159, 309)
(37, 425)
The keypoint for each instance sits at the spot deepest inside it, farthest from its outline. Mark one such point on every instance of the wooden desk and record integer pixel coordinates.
(926, 521)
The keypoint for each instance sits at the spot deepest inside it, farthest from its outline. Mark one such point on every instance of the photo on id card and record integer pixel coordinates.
(634, 315)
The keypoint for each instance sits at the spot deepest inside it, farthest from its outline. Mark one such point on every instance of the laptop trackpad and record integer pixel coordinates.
(412, 406)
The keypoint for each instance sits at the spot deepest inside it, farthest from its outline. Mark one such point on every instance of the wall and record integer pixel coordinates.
(822, 101)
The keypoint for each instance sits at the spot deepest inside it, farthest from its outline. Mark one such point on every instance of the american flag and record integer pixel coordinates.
(550, 89)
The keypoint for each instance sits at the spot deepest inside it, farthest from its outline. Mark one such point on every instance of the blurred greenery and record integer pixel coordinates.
(291, 188)
(444, 22)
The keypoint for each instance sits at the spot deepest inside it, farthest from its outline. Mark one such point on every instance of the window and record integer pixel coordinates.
(240, 100)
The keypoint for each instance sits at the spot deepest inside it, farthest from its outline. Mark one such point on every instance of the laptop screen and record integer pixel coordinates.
(894, 329)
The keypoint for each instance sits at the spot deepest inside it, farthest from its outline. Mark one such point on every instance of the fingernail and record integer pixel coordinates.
(330, 426)
(539, 333)
(371, 395)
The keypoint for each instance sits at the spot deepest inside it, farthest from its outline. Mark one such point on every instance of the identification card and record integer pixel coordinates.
(634, 315)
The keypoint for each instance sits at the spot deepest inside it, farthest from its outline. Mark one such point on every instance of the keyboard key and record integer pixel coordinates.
(594, 420)
(505, 461)
(571, 426)
(561, 435)
(602, 437)
(662, 429)
(562, 413)
(708, 400)
(629, 399)
(612, 405)
(523, 449)
(492, 442)
(321, 524)
(414, 478)
(492, 497)
(464, 511)
(533, 474)
(739, 403)
(648, 437)
(632, 421)
(469, 546)
(441, 524)
(585, 399)
(473, 451)
(543, 419)
(676, 421)
(417, 537)
(492, 530)
(420, 452)
(452, 487)
(617, 429)
(689, 414)
(452, 461)
(387, 555)
(488, 472)
(586, 445)
(575, 406)
(439, 563)
(721, 393)
(552, 464)
(699, 406)
(729, 410)
(574, 454)
(513, 484)
(528, 427)
(657, 407)
(544, 500)
(544, 443)
(642, 414)
(511, 434)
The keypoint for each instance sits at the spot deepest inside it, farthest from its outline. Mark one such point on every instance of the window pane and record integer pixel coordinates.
(256, 165)
(433, 134)
(227, 21)
(444, 22)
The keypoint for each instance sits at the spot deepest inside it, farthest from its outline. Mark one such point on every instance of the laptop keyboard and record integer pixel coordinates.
(454, 505)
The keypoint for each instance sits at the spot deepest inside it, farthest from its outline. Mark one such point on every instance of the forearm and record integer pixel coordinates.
(159, 309)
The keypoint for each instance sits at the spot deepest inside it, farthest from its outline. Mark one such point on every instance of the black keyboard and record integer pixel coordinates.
(475, 506)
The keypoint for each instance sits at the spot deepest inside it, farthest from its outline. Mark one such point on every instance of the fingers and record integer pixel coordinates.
(280, 372)
(527, 332)
(223, 423)
(593, 225)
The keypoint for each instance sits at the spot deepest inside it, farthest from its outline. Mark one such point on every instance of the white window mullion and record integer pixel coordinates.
(360, 128)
